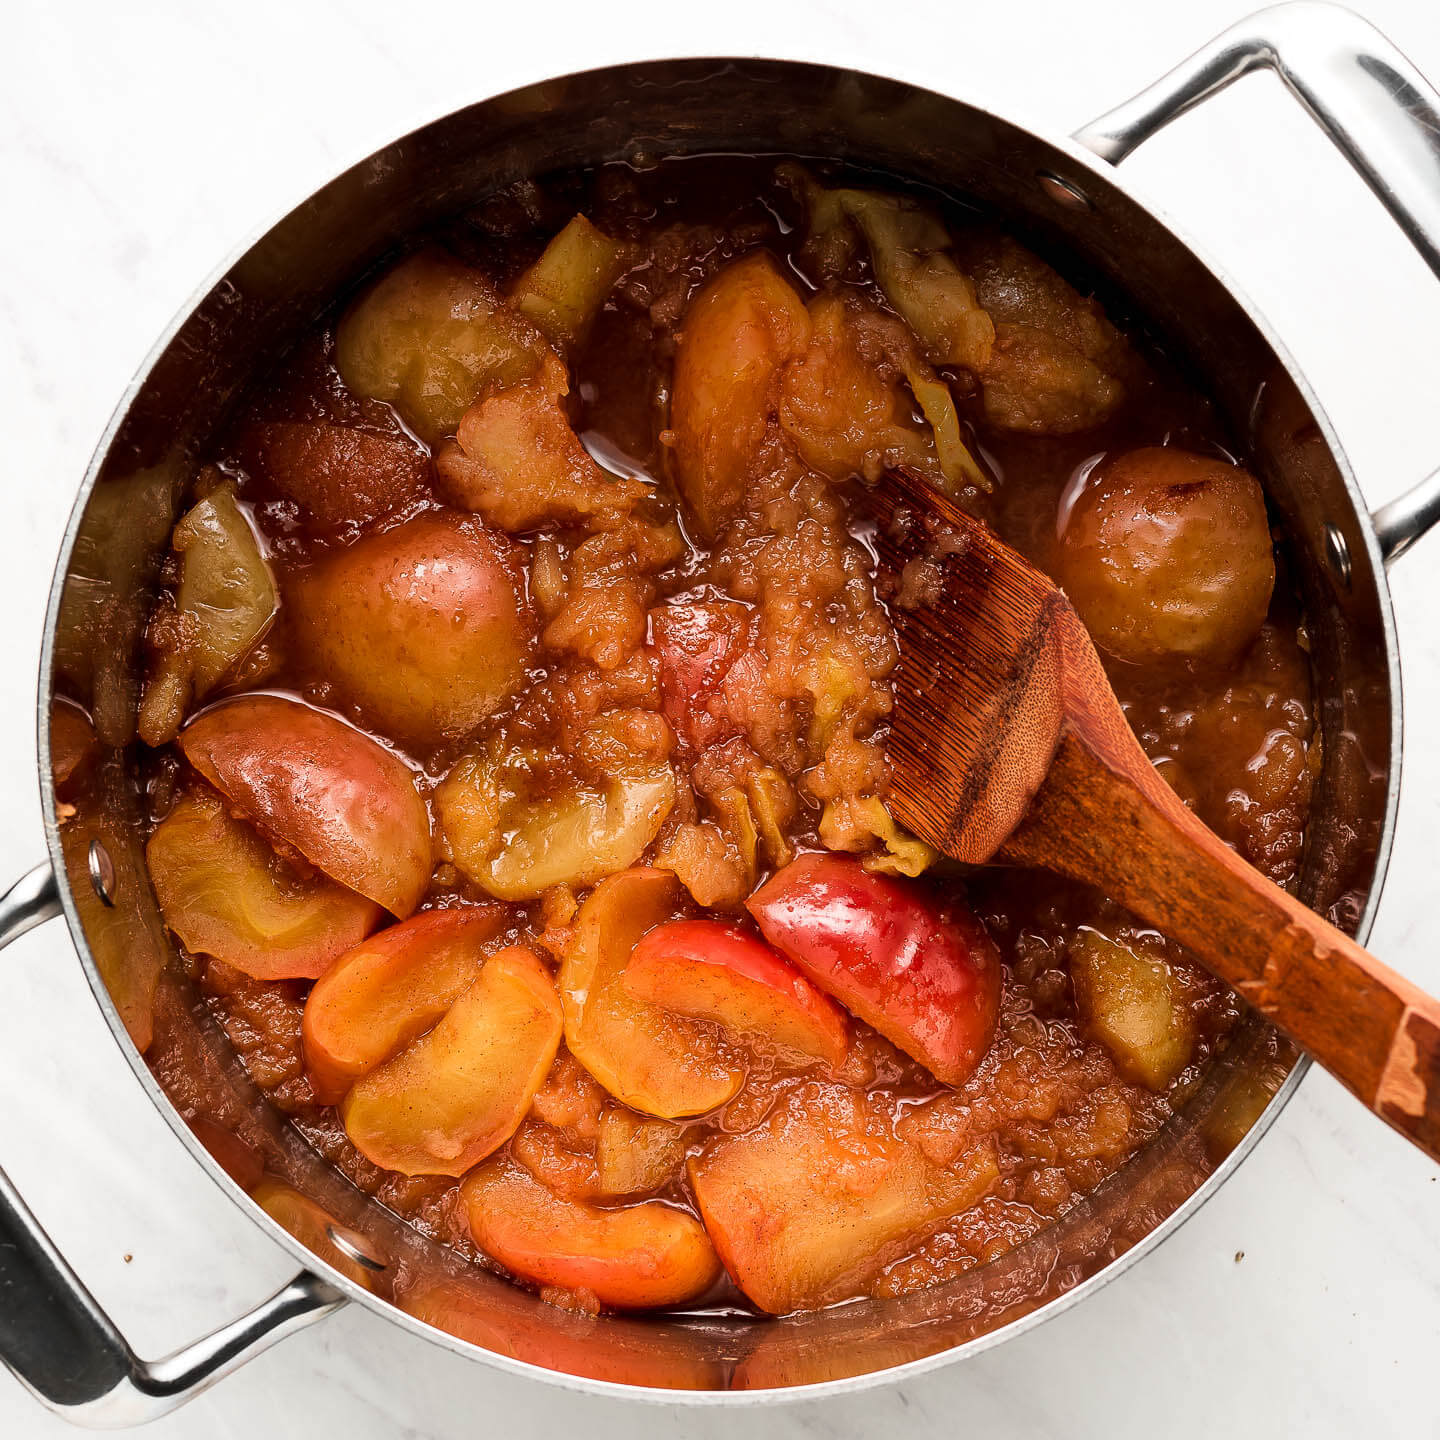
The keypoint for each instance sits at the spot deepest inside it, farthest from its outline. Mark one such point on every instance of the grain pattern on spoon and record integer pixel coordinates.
(1009, 745)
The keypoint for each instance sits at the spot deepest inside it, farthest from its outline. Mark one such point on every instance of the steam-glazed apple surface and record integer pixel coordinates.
(516, 724)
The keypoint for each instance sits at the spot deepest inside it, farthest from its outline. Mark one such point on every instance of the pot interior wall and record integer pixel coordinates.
(269, 297)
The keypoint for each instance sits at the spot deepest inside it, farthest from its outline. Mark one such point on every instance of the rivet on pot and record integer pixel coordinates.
(350, 1246)
(1337, 555)
(102, 873)
(1063, 192)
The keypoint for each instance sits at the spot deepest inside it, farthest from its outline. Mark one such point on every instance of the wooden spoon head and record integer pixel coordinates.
(980, 685)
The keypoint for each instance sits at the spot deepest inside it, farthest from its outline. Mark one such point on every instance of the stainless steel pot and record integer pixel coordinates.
(1382, 115)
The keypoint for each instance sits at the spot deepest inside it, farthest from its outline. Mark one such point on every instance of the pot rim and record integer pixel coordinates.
(1083, 159)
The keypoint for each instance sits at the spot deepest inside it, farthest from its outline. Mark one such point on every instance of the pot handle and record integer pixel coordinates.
(57, 1340)
(1380, 111)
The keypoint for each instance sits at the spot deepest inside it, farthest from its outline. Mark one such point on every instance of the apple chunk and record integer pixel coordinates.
(453, 1097)
(562, 292)
(647, 1058)
(341, 475)
(712, 971)
(309, 780)
(926, 975)
(388, 991)
(425, 627)
(739, 332)
(226, 893)
(1132, 1004)
(632, 1258)
(428, 336)
(808, 1207)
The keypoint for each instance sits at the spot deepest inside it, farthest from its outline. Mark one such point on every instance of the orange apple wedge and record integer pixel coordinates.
(453, 1097)
(388, 991)
(633, 1258)
(646, 1057)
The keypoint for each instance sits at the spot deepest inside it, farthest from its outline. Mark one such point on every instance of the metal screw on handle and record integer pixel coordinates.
(1378, 109)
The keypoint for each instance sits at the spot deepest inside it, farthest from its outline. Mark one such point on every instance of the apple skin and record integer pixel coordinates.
(307, 779)
(709, 970)
(925, 975)
(426, 629)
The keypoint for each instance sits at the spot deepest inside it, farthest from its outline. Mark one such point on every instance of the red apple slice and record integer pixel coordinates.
(651, 1060)
(453, 1097)
(309, 780)
(388, 991)
(713, 971)
(633, 1258)
(926, 976)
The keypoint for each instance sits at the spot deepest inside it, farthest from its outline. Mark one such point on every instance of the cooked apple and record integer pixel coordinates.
(425, 627)
(309, 780)
(225, 601)
(633, 1258)
(739, 330)
(1131, 1003)
(712, 669)
(517, 461)
(653, 1061)
(226, 893)
(562, 292)
(713, 971)
(428, 336)
(1167, 556)
(388, 991)
(925, 975)
(340, 474)
(520, 825)
(810, 1205)
(633, 1154)
(459, 1093)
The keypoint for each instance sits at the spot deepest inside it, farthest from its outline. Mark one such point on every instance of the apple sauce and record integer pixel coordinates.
(516, 722)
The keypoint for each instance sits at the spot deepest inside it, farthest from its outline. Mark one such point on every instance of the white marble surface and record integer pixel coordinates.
(139, 142)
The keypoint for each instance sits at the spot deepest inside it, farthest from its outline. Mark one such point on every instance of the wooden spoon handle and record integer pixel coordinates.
(1103, 815)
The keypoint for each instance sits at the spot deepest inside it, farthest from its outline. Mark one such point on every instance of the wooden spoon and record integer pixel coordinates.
(1009, 745)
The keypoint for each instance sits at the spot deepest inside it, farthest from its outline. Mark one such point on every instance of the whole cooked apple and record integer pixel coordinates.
(425, 627)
